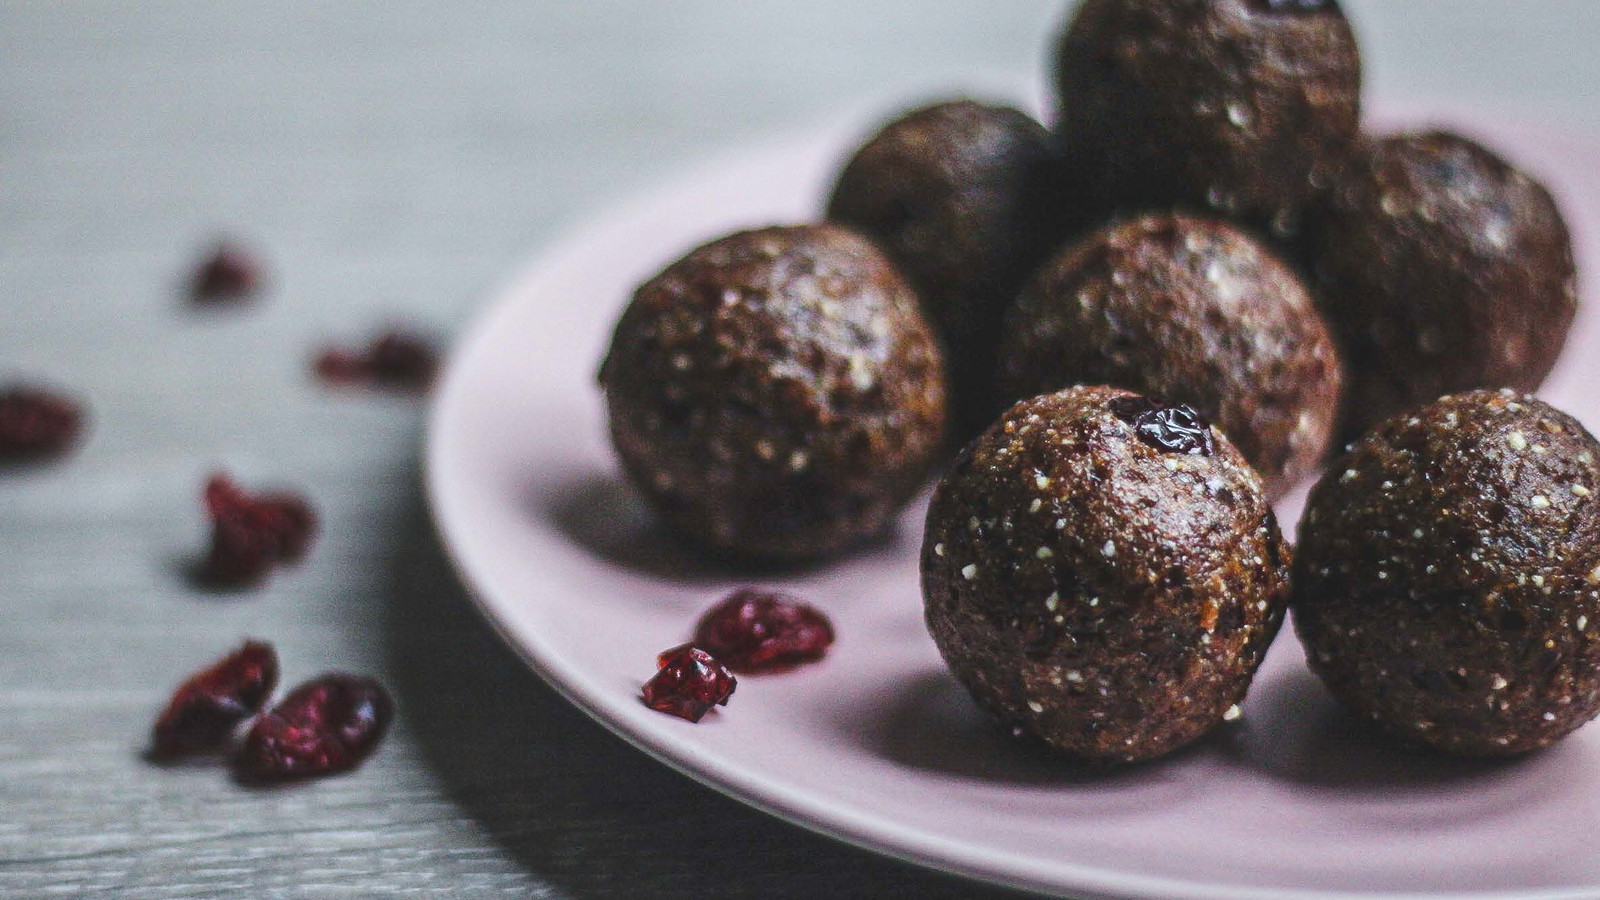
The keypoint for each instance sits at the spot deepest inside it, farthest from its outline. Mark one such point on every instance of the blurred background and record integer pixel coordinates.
(392, 162)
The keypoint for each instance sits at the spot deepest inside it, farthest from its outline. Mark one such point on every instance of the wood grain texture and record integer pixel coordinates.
(393, 160)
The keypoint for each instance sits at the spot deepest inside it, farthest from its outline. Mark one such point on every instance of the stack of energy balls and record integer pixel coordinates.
(1143, 324)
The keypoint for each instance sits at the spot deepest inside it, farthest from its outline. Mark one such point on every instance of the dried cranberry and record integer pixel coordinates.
(327, 725)
(229, 273)
(35, 422)
(755, 630)
(690, 682)
(1170, 429)
(207, 707)
(250, 533)
(395, 359)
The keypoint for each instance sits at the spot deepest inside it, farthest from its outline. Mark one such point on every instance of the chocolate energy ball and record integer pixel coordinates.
(1192, 311)
(1441, 268)
(776, 394)
(1103, 573)
(962, 197)
(1448, 575)
(1241, 106)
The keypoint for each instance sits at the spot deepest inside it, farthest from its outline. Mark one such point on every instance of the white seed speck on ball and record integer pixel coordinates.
(1579, 490)
(938, 549)
(1044, 553)
(1498, 683)
(1540, 501)
(1034, 506)
(1042, 482)
(1233, 713)
(969, 571)
(1517, 441)
(1110, 549)
(1036, 706)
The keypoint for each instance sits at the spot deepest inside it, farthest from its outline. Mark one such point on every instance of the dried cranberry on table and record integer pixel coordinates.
(325, 726)
(229, 273)
(210, 704)
(35, 422)
(761, 631)
(395, 359)
(253, 532)
(689, 684)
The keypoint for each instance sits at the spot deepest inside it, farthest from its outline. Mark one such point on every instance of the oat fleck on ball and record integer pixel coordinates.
(1447, 582)
(1192, 311)
(965, 198)
(1441, 268)
(1240, 106)
(1104, 573)
(776, 394)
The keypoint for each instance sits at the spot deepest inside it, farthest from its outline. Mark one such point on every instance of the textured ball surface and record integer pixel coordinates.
(1441, 268)
(776, 394)
(1447, 581)
(1191, 311)
(1103, 573)
(1240, 106)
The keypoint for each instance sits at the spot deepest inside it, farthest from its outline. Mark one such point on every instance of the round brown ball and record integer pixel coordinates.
(776, 394)
(1240, 106)
(1441, 268)
(962, 197)
(1447, 583)
(1192, 311)
(1103, 573)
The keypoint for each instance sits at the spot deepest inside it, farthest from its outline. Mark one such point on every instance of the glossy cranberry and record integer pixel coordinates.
(757, 631)
(395, 359)
(35, 422)
(229, 273)
(251, 533)
(327, 725)
(208, 706)
(689, 683)
(1170, 429)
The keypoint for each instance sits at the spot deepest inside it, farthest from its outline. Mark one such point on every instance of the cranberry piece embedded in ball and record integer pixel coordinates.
(207, 707)
(757, 631)
(325, 726)
(690, 682)
(35, 422)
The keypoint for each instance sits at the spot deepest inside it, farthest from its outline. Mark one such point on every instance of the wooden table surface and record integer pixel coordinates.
(394, 160)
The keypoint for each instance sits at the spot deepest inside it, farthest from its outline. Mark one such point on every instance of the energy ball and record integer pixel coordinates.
(776, 394)
(1441, 268)
(960, 195)
(1103, 573)
(1448, 575)
(1240, 106)
(1192, 311)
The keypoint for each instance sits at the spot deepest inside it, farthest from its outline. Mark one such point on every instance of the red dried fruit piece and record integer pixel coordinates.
(325, 726)
(229, 273)
(690, 682)
(395, 359)
(207, 707)
(35, 422)
(759, 631)
(250, 533)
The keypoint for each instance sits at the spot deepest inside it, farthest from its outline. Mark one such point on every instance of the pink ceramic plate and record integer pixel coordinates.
(878, 745)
